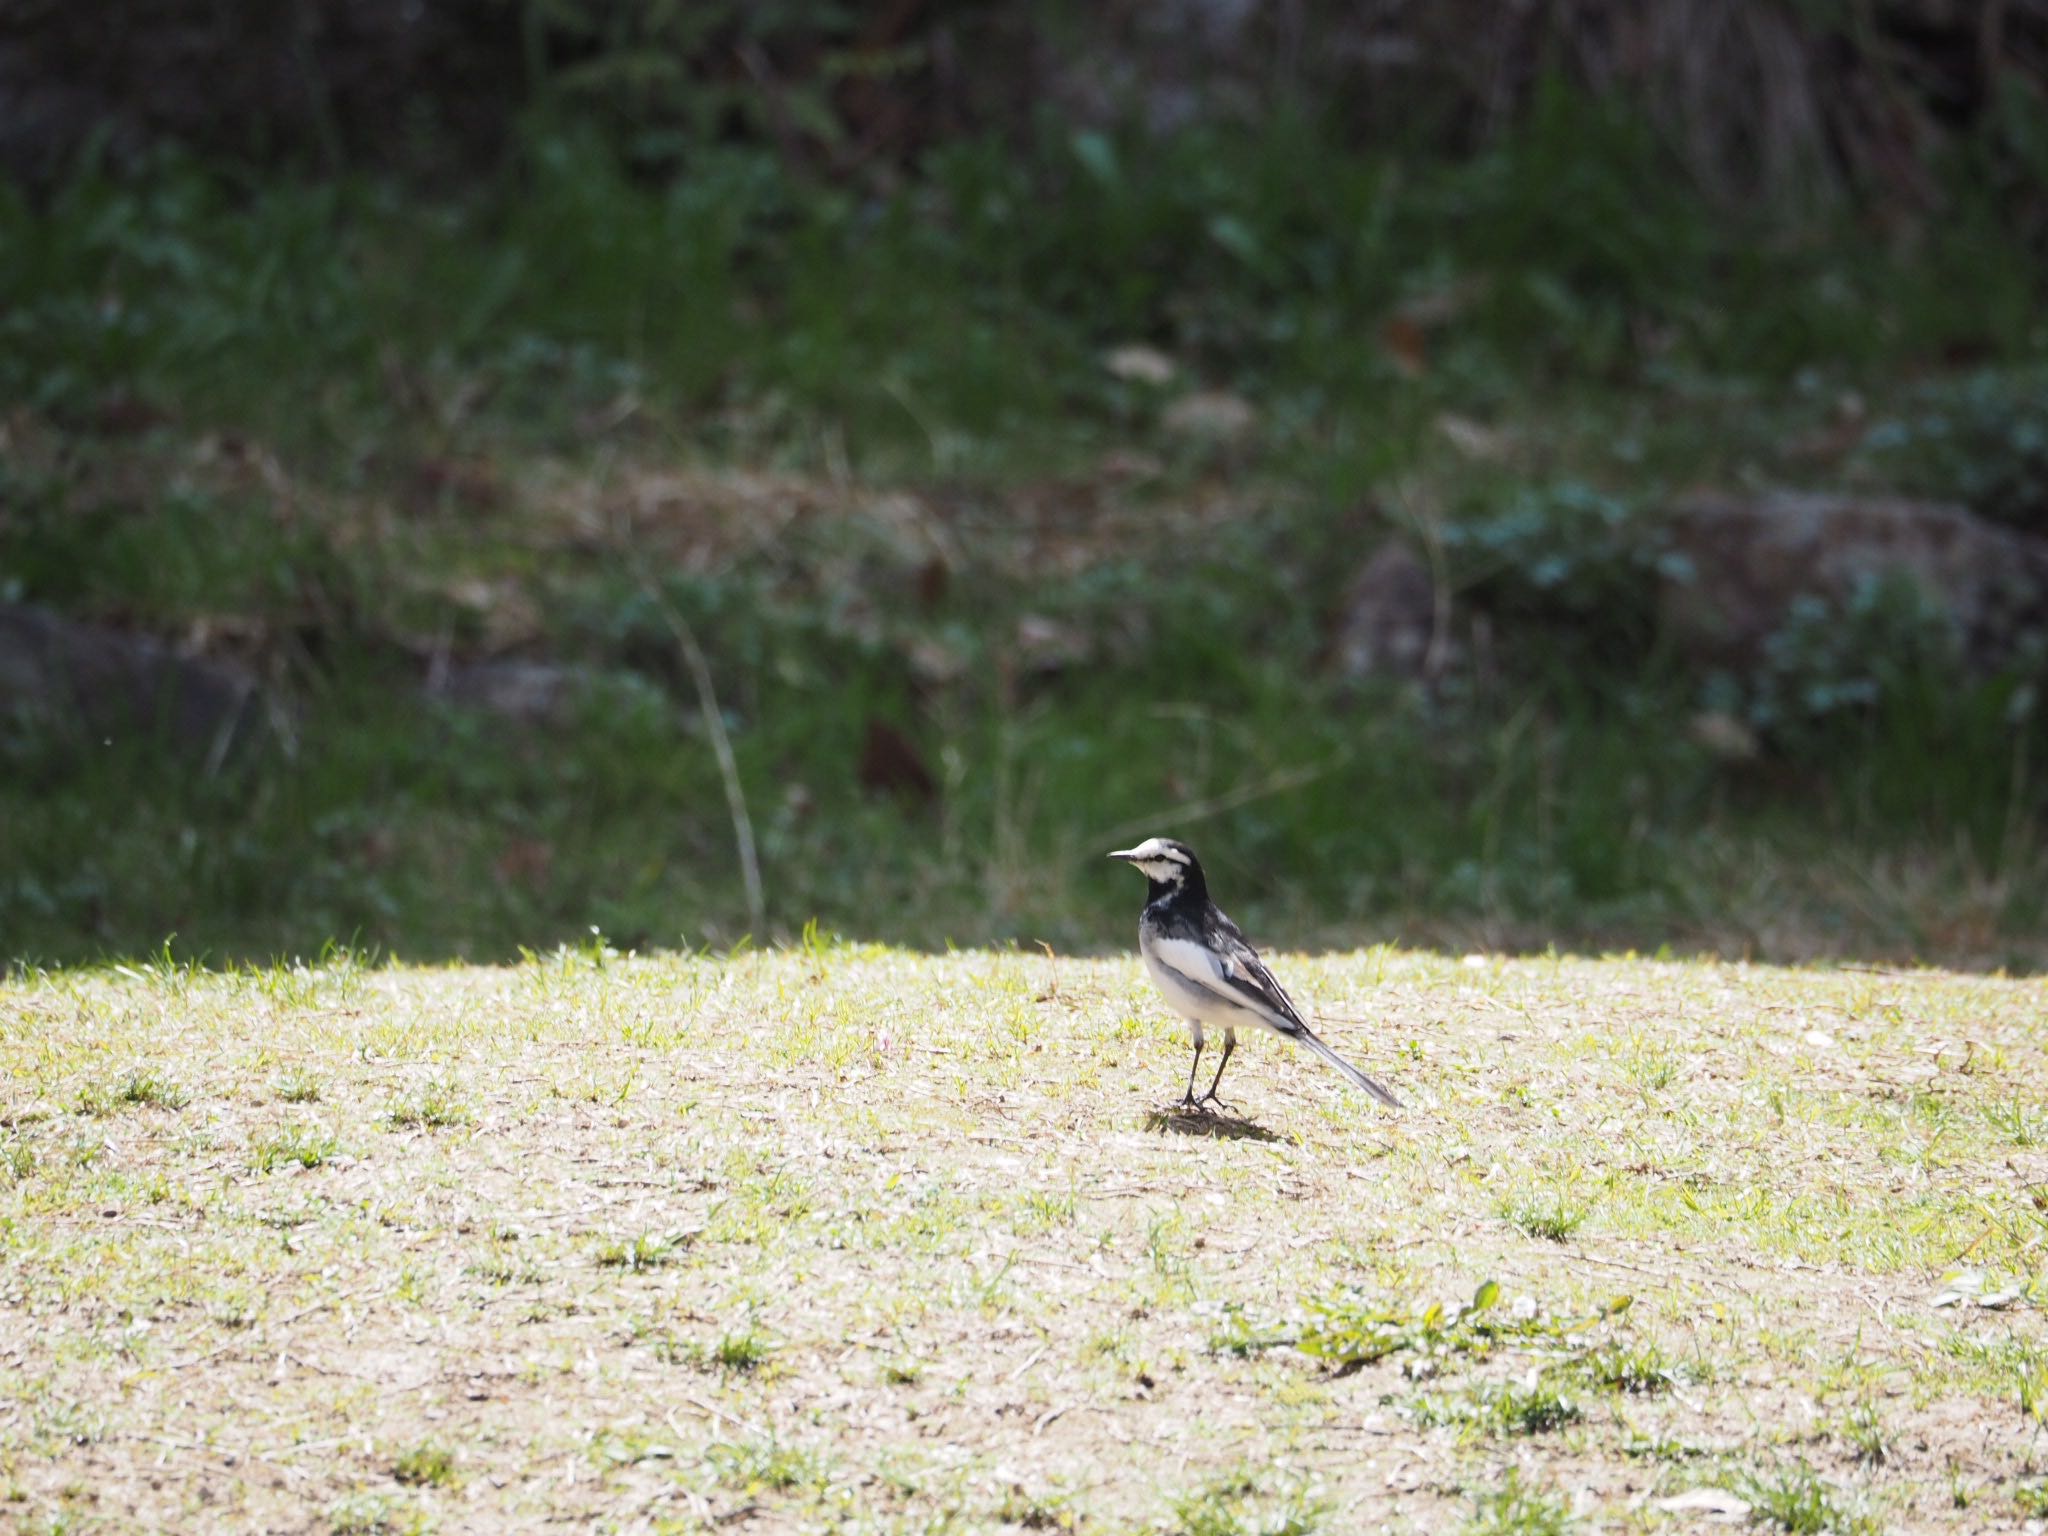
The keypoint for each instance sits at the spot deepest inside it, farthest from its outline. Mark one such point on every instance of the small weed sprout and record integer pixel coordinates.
(1638, 1369)
(1231, 1506)
(437, 1106)
(306, 1145)
(1652, 1069)
(1035, 1512)
(2034, 1393)
(361, 1514)
(1349, 1331)
(1530, 1407)
(1796, 1500)
(150, 1088)
(17, 1160)
(1866, 1434)
(142, 1087)
(1043, 1210)
(755, 1466)
(744, 1350)
(1515, 1510)
(1553, 1218)
(426, 1466)
(2018, 1122)
(501, 1264)
(647, 1251)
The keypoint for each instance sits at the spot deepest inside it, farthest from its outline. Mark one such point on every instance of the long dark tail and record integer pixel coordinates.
(1378, 1090)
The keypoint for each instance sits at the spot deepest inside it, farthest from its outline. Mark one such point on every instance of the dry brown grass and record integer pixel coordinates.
(862, 1239)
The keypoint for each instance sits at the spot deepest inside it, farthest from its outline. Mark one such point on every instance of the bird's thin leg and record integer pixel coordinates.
(1188, 1099)
(1229, 1045)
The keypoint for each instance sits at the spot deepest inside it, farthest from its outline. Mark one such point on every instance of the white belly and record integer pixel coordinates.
(1198, 1005)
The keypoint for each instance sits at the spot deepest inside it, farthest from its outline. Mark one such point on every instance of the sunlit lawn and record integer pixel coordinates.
(870, 1239)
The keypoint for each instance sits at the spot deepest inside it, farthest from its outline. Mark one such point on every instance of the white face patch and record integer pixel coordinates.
(1154, 848)
(1160, 863)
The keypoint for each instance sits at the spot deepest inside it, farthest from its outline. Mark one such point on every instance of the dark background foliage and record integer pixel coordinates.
(1009, 427)
(1764, 99)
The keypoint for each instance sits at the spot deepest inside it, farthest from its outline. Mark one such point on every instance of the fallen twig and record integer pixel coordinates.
(1189, 811)
(718, 1413)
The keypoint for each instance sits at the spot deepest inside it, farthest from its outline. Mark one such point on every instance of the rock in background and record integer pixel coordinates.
(107, 685)
(1394, 625)
(1743, 563)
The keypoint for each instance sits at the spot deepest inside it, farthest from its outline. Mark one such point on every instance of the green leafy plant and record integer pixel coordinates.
(1350, 1331)
(1533, 1407)
(1797, 1500)
(1829, 659)
(1234, 1506)
(1634, 1367)
(1981, 439)
(1562, 550)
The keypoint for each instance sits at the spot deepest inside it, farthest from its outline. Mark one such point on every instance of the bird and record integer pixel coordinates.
(1211, 977)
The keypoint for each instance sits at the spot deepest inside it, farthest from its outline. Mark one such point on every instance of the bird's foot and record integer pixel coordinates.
(1201, 1105)
(1188, 1104)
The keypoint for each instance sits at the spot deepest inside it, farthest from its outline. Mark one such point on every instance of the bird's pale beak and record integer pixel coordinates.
(1125, 854)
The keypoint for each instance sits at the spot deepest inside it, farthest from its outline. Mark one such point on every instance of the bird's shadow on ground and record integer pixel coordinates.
(1197, 1122)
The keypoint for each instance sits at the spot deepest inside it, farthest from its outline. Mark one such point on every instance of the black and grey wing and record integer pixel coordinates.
(1219, 962)
(1244, 969)
(1230, 969)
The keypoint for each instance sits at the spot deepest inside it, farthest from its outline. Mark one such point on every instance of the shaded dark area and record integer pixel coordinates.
(1755, 99)
(1216, 1127)
(1493, 475)
(99, 682)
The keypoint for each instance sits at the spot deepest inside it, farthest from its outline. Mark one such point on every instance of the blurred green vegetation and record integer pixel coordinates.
(346, 430)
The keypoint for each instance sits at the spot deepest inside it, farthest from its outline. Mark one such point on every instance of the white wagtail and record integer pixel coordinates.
(1210, 975)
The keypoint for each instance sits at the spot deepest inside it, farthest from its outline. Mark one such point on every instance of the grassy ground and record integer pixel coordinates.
(864, 1239)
